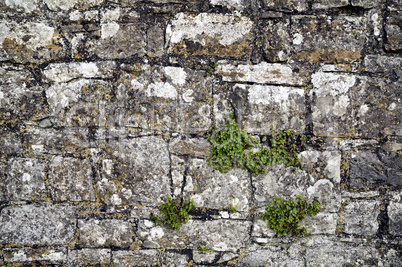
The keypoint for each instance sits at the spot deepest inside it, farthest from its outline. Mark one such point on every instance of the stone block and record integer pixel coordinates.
(261, 229)
(277, 41)
(82, 103)
(67, 72)
(322, 223)
(145, 257)
(24, 180)
(136, 172)
(229, 235)
(361, 217)
(62, 5)
(205, 257)
(21, 6)
(370, 170)
(328, 39)
(183, 145)
(34, 42)
(262, 108)
(230, 4)
(325, 4)
(105, 233)
(210, 35)
(89, 257)
(174, 259)
(388, 66)
(322, 165)
(290, 5)
(393, 30)
(70, 179)
(212, 189)
(395, 214)
(40, 225)
(164, 99)
(366, 3)
(270, 73)
(337, 254)
(45, 255)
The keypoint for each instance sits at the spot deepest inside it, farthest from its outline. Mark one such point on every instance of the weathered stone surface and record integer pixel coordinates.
(326, 164)
(229, 235)
(295, 5)
(260, 228)
(81, 103)
(136, 172)
(236, 4)
(45, 255)
(330, 253)
(366, 3)
(178, 169)
(57, 5)
(212, 189)
(286, 182)
(369, 169)
(262, 108)
(328, 39)
(135, 258)
(393, 30)
(205, 257)
(395, 215)
(272, 256)
(361, 217)
(164, 98)
(322, 223)
(31, 42)
(26, 6)
(389, 66)
(99, 233)
(31, 224)
(183, 145)
(24, 180)
(277, 41)
(66, 72)
(324, 4)
(89, 257)
(71, 179)
(210, 34)
(270, 73)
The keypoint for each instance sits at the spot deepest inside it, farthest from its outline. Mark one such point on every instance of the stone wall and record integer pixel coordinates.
(106, 106)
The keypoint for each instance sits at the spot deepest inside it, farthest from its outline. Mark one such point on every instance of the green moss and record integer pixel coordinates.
(174, 214)
(283, 216)
(232, 147)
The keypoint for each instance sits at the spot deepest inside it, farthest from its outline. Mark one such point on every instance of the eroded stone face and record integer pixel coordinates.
(135, 258)
(328, 39)
(137, 172)
(293, 5)
(395, 215)
(210, 188)
(164, 98)
(64, 5)
(52, 256)
(361, 217)
(271, 255)
(31, 224)
(229, 235)
(210, 34)
(89, 256)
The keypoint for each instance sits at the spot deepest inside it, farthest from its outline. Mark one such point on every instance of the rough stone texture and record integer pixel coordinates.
(389, 66)
(395, 215)
(393, 26)
(24, 180)
(135, 258)
(229, 235)
(45, 255)
(71, 179)
(212, 189)
(287, 5)
(262, 108)
(89, 256)
(182, 145)
(361, 217)
(164, 98)
(369, 169)
(31, 224)
(210, 34)
(98, 233)
(319, 38)
(137, 172)
(277, 40)
(324, 4)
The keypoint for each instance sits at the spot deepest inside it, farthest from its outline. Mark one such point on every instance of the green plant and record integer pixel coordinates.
(283, 216)
(174, 214)
(211, 68)
(204, 249)
(231, 208)
(233, 147)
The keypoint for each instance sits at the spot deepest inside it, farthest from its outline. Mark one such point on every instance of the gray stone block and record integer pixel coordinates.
(361, 217)
(146, 257)
(45, 255)
(89, 257)
(105, 233)
(395, 214)
(37, 225)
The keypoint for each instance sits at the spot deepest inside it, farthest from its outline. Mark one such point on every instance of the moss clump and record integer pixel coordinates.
(174, 214)
(232, 147)
(283, 216)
